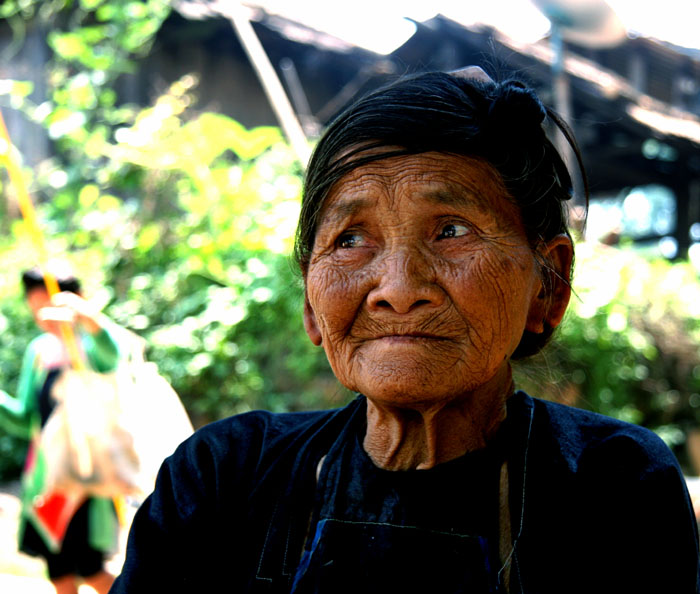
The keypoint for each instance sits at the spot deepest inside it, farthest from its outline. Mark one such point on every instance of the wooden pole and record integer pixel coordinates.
(268, 77)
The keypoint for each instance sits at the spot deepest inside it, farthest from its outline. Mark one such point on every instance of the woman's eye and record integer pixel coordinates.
(351, 240)
(453, 230)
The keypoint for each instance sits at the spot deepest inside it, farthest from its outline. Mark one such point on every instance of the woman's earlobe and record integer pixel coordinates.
(310, 325)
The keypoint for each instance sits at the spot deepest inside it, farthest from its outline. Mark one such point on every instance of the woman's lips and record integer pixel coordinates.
(409, 337)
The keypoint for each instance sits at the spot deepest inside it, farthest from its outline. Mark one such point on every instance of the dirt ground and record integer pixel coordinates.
(20, 573)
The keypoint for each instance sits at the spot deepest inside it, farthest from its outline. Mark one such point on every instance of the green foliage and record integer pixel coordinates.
(16, 326)
(93, 43)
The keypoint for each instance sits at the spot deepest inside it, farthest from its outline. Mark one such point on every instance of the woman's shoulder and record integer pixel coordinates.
(258, 434)
(581, 435)
(618, 492)
(254, 452)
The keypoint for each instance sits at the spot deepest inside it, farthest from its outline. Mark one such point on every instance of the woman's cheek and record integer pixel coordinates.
(336, 295)
(331, 280)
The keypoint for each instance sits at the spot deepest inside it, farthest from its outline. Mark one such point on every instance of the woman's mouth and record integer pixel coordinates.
(409, 336)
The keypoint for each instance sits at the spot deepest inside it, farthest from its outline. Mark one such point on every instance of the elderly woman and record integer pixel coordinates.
(434, 250)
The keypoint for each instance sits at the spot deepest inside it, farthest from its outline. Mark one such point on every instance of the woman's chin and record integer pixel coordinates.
(410, 391)
(416, 383)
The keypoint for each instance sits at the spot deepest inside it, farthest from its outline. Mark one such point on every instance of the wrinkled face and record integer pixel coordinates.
(421, 280)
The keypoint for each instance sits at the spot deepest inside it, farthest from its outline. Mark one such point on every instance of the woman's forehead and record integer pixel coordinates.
(437, 177)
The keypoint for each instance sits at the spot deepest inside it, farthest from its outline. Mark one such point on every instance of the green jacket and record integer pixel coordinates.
(20, 416)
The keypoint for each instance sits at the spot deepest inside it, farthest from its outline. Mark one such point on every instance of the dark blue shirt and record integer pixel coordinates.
(596, 505)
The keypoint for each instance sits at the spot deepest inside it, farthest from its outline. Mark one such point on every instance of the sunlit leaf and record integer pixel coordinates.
(223, 133)
(106, 202)
(148, 237)
(88, 195)
(91, 4)
(18, 88)
(67, 45)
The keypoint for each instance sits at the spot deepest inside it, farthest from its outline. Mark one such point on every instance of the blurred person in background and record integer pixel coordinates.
(78, 554)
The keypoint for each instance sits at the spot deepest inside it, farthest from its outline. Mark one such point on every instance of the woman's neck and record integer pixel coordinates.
(422, 437)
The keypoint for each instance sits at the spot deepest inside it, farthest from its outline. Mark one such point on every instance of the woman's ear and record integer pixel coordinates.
(550, 304)
(310, 325)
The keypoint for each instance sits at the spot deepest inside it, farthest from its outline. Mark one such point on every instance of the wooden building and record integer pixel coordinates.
(635, 108)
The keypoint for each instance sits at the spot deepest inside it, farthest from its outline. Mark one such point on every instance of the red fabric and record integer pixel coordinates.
(54, 511)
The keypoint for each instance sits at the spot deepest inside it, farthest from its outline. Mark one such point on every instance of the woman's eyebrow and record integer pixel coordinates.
(341, 210)
(453, 195)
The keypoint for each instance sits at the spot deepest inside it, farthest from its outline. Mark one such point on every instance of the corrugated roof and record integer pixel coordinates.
(659, 116)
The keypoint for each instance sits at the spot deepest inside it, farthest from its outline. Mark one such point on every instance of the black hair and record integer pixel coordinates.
(34, 278)
(500, 122)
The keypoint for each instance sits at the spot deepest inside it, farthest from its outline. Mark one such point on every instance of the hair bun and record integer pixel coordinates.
(514, 106)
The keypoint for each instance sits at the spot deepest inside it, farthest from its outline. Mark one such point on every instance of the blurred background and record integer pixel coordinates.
(163, 142)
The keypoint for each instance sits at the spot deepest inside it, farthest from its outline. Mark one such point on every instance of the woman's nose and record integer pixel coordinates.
(405, 281)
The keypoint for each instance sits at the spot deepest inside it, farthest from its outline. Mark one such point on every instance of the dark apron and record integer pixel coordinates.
(363, 542)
